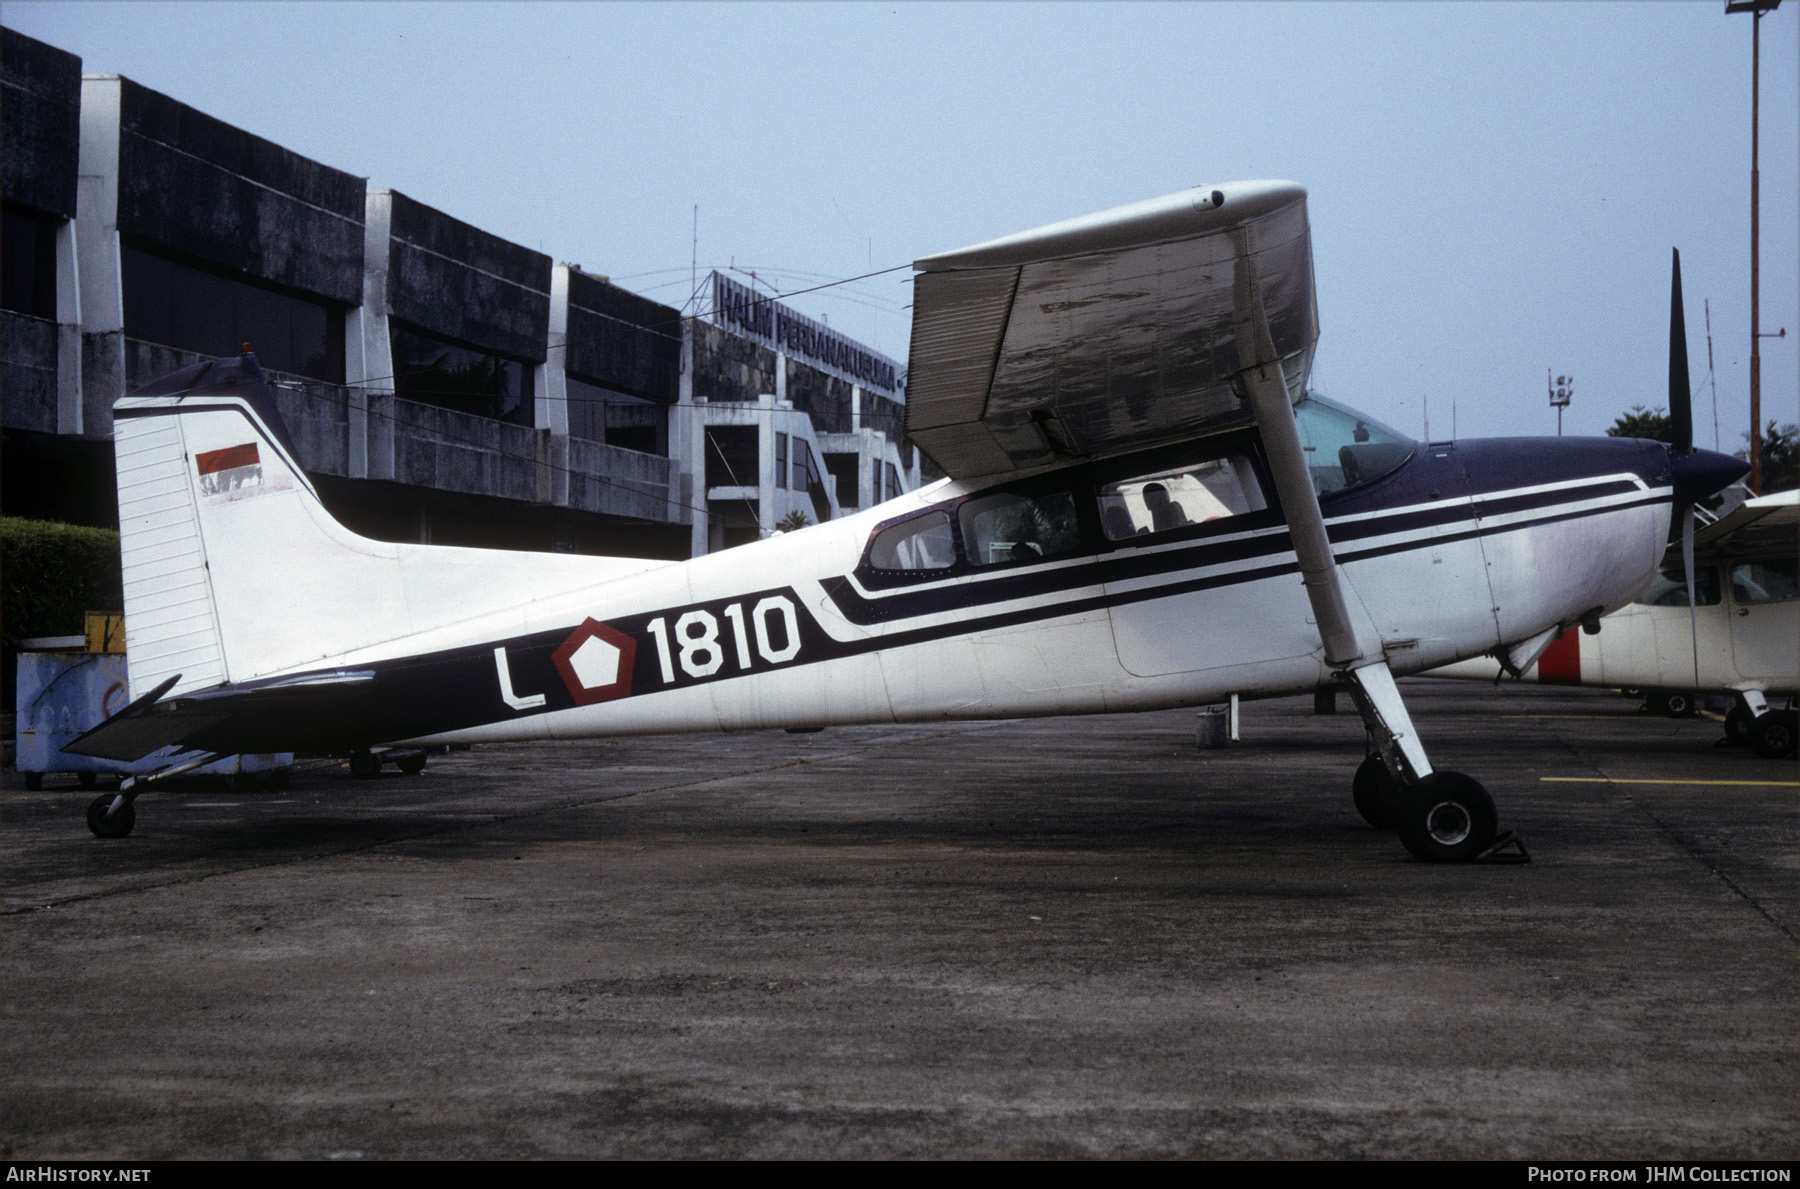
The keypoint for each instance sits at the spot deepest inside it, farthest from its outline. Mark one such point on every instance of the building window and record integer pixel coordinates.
(806, 472)
(731, 456)
(28, 256)
(602, 414)
(781, 441)
(433, 371)
(843, 471)
(193, 307)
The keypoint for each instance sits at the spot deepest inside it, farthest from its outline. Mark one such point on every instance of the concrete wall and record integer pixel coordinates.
(621, 340)
(729, 368)
(239, 201)
(40, 124)
(462, 283)
(830, 400)
(40, 136)
(28, 372)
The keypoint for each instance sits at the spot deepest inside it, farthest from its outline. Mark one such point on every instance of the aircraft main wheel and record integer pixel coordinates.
(1737, 725)
(110, 825)
(365, 765)
(1375, 794)
(1772, 734)
(411, 765)
(1447, 818)
(1676, 703)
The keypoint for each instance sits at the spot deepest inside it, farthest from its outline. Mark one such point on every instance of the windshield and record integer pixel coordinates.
(1344, 448)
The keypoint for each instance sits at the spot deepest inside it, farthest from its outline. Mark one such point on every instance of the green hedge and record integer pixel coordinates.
(52, 575)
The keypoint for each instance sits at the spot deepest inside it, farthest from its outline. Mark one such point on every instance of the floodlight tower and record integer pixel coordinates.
(1561, 390)
(1756, 8)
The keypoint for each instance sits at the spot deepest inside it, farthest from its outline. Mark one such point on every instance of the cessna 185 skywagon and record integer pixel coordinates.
(1144, 508)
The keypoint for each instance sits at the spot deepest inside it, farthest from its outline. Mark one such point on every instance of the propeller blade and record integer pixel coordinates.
(1681, 402)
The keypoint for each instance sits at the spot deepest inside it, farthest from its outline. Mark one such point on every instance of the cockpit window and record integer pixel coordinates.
(1343, 447)
(1670, 589)
(1764, 581)
(1007, 527)
(1171, 499)
(922, 543)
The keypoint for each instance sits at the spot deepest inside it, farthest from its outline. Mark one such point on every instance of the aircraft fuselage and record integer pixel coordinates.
(1055, 593)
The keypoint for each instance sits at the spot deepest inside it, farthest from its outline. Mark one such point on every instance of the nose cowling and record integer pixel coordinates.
(1700, 473)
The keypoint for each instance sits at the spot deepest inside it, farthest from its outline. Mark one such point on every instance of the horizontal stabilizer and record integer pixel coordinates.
(228, 720)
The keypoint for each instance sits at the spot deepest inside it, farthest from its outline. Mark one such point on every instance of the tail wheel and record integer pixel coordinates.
(365, 765)
(1376, 795)
(1447, 818)
(107, 822)
(1772, 734)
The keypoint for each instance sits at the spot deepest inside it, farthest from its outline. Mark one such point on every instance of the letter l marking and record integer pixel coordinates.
(506, 688)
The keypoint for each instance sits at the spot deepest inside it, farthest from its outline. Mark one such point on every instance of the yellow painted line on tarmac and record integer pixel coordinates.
(1630, 714)
(1761, 784)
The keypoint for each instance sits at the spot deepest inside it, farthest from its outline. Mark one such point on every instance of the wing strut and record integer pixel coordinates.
(1371, 684)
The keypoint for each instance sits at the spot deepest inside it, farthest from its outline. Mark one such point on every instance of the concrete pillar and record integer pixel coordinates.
(369, 350)
(97, 259)
(687, 451)
(764, 421)
(550, 384)
(68, 330)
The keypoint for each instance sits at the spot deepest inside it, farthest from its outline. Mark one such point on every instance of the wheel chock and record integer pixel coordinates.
(1508, 848)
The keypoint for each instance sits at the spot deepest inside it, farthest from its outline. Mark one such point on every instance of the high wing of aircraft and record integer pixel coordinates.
(1737, 633)
(1145, 508)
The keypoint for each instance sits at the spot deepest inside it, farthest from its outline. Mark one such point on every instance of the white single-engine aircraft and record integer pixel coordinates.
(1739, 637)
(1145, 508)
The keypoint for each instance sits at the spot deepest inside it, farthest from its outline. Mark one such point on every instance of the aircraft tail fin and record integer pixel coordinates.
(188, 448)
(236, 572)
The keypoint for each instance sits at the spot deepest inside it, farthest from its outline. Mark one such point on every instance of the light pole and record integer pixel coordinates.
(1756, 8)
(1561, 389)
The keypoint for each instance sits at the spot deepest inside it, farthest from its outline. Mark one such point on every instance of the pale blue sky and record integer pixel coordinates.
(1494, 187)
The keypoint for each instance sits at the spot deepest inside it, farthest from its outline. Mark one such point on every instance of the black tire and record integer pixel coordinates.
(1376, 795)
(115, 825)
(1737, 725)
(1772, 734)
(34, 781)
(365, 765)
(1447, 818)
(412, 765)
(1676, 703)
(86, 780)
(279, 778)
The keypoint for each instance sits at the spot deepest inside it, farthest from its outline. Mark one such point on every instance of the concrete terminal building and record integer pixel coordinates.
(443, 385)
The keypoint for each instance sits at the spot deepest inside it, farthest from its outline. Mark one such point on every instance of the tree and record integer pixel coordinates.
(1780, 466)
(1643, 423)
(793, 520)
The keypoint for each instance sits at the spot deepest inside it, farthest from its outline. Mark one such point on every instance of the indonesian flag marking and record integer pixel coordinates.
(230, 469)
